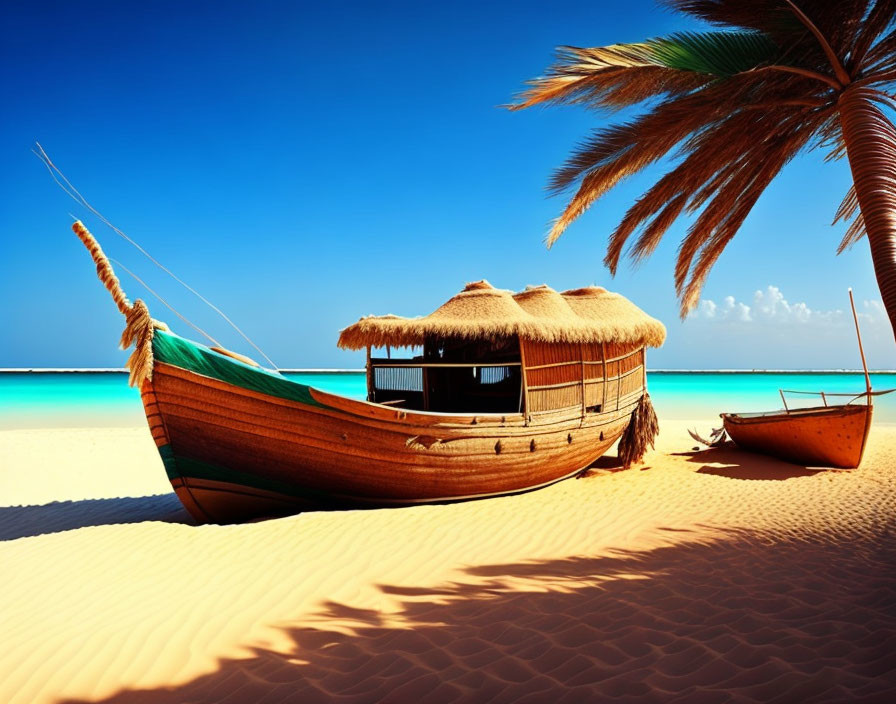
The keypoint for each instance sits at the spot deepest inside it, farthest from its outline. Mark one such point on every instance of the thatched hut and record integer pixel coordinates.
(492, 350)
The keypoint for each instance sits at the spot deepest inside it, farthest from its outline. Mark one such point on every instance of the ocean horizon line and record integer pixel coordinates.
(324, 370)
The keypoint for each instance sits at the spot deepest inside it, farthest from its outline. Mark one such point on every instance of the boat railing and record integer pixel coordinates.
(393, 381)
(826, 394)
(407, 374)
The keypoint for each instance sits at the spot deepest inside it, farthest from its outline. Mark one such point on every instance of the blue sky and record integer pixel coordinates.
(303, 165)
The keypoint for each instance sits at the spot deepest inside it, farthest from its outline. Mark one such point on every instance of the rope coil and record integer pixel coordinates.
(140, 327)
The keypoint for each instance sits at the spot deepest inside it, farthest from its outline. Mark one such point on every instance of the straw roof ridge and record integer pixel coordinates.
(538, 313)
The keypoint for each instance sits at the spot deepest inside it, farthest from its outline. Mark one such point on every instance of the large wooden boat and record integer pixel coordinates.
(511, 392)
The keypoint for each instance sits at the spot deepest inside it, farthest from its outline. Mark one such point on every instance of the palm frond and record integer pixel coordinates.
(881, 17)
(625, 74)
(881, 58)
(732, 107)
(656, 132)
(854, 232)
(710, 158)
(848, 206)
(775, 17)
(654, 232)
(722, 218)
(849, 212)
(758, 15)
(719, 54)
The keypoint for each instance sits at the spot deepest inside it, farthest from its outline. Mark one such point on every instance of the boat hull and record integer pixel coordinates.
(238, 442)
(828, 436)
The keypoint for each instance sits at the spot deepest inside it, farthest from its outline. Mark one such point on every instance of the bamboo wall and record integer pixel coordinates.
(593, 376)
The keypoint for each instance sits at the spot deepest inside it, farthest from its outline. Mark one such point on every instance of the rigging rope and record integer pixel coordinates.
(75, 195)
(140, 326)
(167, 304)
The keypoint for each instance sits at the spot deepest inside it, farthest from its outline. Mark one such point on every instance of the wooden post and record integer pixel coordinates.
(582, 360)
(644, 369)
(618, 382)
(424, 374)
(855, 318)
(523, 379)
(603, 354)
(784, 400)
(370, 385)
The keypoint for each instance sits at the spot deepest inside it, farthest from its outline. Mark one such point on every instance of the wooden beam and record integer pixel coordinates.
(524, 380)
(370, 385)
(582, 360)
(603, 355)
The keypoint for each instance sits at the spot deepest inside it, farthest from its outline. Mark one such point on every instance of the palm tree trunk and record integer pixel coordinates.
(870, 140)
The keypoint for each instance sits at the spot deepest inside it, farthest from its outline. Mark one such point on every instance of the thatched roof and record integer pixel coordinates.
(538, 313)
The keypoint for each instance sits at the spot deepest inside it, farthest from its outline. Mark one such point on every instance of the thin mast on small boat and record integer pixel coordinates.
(855, 318)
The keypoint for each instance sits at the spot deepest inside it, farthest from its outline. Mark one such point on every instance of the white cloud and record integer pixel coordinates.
(768, 331)
(770, 307)
(874, 309)
(730, 309)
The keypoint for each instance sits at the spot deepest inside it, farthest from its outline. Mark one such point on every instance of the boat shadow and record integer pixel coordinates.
(60, 516)
(732, 462)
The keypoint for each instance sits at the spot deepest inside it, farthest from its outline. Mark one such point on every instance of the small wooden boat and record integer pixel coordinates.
(825, 436)
(512, 392)
(830, 435)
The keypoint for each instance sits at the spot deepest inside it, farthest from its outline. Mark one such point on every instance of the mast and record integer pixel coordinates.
(855, 318)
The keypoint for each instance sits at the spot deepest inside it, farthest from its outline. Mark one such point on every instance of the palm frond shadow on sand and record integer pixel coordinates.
(740, 618)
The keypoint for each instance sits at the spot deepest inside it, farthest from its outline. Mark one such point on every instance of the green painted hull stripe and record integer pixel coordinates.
(186, 354)
(178, 466)
(169, 461)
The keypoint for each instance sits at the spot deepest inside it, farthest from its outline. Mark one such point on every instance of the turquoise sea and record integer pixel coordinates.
(89, 399)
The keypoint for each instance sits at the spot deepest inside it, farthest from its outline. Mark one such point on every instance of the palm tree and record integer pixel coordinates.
(733, 106)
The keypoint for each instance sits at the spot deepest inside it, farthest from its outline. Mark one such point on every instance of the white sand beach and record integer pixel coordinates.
(699, 577)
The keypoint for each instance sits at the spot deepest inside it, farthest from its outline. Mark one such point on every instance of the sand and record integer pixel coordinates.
(713, 576)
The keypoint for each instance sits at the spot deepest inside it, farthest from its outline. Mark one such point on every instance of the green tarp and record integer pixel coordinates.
(189, 355)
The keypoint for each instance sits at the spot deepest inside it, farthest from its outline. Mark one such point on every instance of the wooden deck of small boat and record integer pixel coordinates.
(821, 436)
(233, 452)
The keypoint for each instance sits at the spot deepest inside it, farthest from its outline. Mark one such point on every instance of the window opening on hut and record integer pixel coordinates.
(452, 376)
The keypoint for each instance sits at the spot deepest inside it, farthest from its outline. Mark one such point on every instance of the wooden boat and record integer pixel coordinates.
(831, 435)
(512, 392)
(825, 436)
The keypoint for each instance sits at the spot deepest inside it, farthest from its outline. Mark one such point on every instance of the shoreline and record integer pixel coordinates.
(114, 370)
